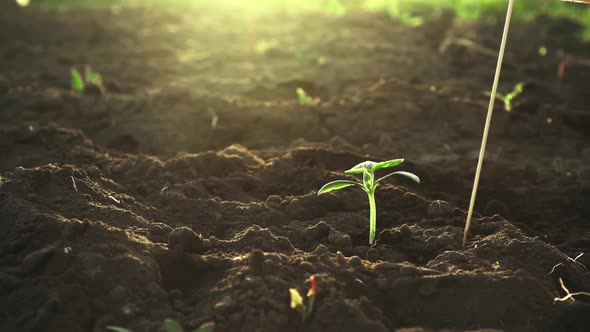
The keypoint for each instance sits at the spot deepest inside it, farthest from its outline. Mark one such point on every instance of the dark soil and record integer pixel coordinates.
(124, 207)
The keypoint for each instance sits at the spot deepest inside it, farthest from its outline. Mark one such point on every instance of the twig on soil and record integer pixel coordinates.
(114, 199)
(74, 184)
(568, 295)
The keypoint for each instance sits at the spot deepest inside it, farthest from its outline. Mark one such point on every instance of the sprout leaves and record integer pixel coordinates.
(336, 185)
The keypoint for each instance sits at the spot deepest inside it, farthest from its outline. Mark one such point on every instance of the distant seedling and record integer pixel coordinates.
(304, 99)
(508, 98)
(369, 184)
(297, 300)
(214, 117)
(78, 83)
(171, 325)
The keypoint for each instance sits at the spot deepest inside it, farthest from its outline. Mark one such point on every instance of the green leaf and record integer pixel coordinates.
(409, 175)
(214, 117)
(338, 184)
(517, 91)
(302, 96)
(387, 164)
(92, 76)
(117, 329)
(206, 327)
(172, 326)
(360, 168)
(76, 81)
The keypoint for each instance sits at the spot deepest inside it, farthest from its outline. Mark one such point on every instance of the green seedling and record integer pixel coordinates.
(509, 97)
(170, 325)
(368, 185)
(305, 99)
(78, 83)
(214, 117)
(305, 309)
(302, 97)
(91, 76)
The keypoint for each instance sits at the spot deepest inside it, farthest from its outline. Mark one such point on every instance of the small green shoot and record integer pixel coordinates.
(509, 97)
(305, 99)
(92, 76)
(214, 117)
(302, 96)
(76, 81)
(368, 185)
(297, 300)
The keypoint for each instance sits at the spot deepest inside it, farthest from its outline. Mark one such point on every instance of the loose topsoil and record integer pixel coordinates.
(126, 205)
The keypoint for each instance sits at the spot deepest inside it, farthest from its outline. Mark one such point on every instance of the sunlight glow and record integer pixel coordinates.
(23, 3)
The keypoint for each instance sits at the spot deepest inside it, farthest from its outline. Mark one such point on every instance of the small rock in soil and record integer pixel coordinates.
(186, 240)
(273, 201)
(439, 209)
(160, 229)
(256, 261)
(37, 258)
(93, 170)
(356, 261)
(93, 89)
(317, 231)
(339, 239)
(321, 249)
(73, 229)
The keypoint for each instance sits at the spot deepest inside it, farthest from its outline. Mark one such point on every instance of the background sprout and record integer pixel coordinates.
(92, 77)
(368, 185)
(297, 303)
(214, 117)
(302, 96)
(76, 81)
(509, 97)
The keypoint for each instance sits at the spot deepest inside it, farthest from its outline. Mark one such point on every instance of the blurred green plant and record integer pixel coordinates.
(214, 117)
(304, 99)
(368, 185)
(78, 83)
(508, 98)
(305, 309)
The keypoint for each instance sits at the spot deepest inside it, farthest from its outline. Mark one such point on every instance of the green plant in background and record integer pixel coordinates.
(368, 185)
(170, 325)
(91, 76)
(78, 83)
(297, 300)
(304, 99)
(509, 97)
(214, 117)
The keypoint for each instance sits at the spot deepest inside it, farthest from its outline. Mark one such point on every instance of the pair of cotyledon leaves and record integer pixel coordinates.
(368, 169)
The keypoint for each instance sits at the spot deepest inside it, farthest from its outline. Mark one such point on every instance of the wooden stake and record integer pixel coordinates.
(486, 129)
